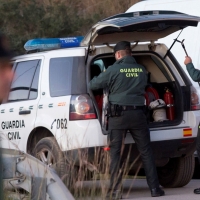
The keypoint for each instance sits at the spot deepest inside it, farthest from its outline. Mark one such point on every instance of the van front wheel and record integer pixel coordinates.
(177, 173)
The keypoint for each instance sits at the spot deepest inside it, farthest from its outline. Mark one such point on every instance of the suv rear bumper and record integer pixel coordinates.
(169, 142)
(163, 151)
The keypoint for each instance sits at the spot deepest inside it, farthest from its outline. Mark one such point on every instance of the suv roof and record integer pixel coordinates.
(58, 52)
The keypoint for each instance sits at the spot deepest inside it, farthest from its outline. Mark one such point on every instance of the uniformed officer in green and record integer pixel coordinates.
(195, 75)
(126, 81)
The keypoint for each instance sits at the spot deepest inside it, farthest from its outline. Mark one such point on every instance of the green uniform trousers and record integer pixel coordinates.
(134, 121)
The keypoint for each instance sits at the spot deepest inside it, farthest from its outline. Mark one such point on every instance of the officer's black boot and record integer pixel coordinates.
(197, 191)
(156, 192)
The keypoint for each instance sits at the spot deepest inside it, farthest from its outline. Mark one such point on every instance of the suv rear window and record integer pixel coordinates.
(25, 83)
(60, 71)
(67, 76)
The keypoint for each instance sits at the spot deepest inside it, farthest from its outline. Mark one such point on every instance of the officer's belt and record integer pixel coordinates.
(132, 107)
(124, 108)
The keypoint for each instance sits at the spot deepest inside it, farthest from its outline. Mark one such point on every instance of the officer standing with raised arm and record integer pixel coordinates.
(126, 81)
(195, 75)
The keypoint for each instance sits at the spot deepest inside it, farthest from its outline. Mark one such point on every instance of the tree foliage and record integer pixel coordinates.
(27, 19)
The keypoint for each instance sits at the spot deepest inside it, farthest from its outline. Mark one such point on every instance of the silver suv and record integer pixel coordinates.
(52, 114)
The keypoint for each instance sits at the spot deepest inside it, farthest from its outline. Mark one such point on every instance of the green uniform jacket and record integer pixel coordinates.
(126, 81)
(194, 73)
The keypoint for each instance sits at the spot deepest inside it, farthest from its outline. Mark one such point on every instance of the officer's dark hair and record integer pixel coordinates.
(125, 52)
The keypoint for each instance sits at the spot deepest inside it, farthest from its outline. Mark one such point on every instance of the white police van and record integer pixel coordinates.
(52, 114)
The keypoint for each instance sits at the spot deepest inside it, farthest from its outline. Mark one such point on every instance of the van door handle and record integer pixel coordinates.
(24, 112)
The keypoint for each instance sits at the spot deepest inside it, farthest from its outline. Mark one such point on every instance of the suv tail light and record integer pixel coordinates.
(194, 99)
(81, 108)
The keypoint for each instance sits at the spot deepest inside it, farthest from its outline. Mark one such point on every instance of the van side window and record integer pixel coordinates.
(25, 83)
(60, 75)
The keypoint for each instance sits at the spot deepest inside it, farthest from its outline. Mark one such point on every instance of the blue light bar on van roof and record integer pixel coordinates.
(52, 43)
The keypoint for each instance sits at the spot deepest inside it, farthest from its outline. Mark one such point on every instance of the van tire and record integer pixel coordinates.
(49, 147)
(177, 173)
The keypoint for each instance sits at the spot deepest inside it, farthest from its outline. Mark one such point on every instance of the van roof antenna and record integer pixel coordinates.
(175, 40)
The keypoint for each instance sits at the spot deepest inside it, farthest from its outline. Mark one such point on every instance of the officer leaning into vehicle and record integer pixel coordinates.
(195, 75)
(126, 81)
(6, 76)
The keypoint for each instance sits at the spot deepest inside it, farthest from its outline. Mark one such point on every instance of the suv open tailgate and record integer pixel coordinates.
(138, 26)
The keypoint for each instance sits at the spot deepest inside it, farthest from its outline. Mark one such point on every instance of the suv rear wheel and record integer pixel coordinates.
(177, 173)
(48, 151)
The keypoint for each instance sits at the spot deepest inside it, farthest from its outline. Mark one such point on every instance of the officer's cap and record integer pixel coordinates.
(122, 46)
